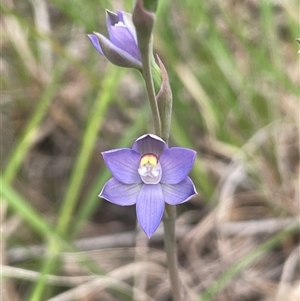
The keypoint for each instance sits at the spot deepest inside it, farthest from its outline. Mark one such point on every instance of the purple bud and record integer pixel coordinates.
(121, 47)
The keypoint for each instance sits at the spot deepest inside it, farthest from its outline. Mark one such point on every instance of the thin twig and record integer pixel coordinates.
(289, 270)
(18, 273)
(126, 239)
(256, 227)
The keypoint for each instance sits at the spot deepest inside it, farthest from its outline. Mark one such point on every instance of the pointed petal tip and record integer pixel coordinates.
(111, 18)
(150, 208)
(176, 194)
(94, 39)
(91, 36)
(100, 195)
(149, 235)
(110, 13)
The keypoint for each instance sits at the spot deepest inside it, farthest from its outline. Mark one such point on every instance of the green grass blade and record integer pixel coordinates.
(95, 121)
(20, 206)
(16, 158)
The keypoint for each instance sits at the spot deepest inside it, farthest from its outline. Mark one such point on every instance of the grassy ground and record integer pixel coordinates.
(233, 67)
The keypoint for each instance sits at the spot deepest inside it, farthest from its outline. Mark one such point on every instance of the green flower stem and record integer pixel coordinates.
(171, 246)
(170, 211)
(147, 74)
(154, 83)
(171, 250)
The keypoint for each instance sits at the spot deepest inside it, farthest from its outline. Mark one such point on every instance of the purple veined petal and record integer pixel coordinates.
(123, 163)
(126, 18)
(121, 37)
(176, 164)
(150, 143)
(175, 194)
(116, 55)
(111, 20)
(150, 208)
(120, 194)
(120, 15)
(94, 40)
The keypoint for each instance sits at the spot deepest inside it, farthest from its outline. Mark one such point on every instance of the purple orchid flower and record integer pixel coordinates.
(148, 175)
(121, 48)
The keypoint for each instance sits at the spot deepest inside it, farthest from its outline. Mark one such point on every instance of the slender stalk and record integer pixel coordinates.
(147, 74)
(170, 211)
(171, 250)
(143, 22)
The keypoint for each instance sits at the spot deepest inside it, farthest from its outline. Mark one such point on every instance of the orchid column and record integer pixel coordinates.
(149, 174)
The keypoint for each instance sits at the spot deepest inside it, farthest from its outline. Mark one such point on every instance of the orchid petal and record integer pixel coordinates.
(111, 18)
(123, 163)
(176, 164)
(120, 194)
(93, 38)
(116, 55)
(149, 143)
(175, 194)
(120, 35)
(150, 208)
(122, 38)
(126, 18)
